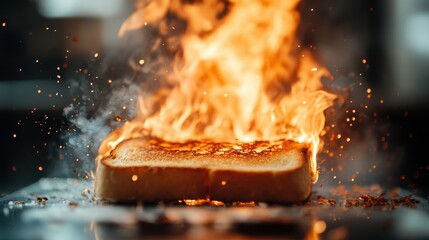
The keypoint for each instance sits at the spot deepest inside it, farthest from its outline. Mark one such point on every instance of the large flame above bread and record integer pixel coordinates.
(240, 75)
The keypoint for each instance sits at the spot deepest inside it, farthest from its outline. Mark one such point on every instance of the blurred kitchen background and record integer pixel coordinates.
(377, 49)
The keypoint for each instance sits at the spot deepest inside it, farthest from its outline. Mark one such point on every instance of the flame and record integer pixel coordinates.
(240, 75)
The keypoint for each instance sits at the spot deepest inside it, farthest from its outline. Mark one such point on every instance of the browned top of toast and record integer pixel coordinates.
(262, 155)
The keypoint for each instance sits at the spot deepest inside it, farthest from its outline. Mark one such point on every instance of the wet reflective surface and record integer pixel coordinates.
(66, 209)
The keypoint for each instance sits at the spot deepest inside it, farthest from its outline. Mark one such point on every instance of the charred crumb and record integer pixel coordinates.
(373, 196)
(325, 201)
(408, 201)
(86, 193)
(73, 204)
(321, 201)
(367, 201)
(41, 200)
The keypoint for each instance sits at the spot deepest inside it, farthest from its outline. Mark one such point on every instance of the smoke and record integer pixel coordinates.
(356, 149)
(107, 93)
(94, 114)
(337, 34)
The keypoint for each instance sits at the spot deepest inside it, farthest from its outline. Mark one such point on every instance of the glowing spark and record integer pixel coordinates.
(319, 227)
(134, 178)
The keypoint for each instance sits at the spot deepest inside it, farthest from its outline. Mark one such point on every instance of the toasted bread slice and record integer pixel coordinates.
(149, 169)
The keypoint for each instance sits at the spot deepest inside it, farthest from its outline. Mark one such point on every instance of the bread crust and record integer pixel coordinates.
(149, 169)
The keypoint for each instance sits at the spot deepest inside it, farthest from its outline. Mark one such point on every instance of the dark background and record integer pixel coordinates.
(57, 54)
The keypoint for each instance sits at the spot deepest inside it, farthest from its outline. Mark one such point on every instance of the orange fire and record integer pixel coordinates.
(240, 75)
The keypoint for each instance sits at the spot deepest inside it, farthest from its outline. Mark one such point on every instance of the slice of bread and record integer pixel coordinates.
(149, 169)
